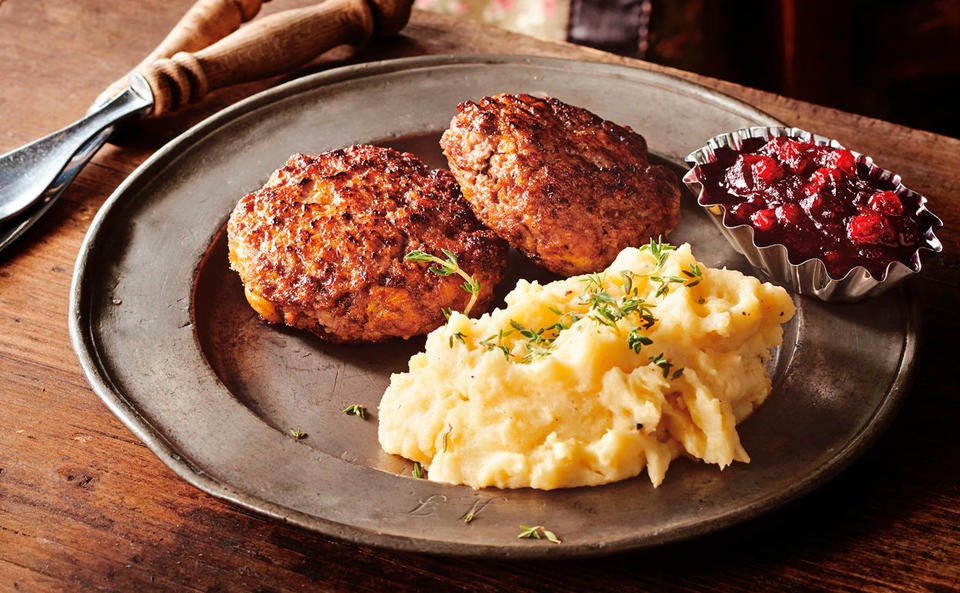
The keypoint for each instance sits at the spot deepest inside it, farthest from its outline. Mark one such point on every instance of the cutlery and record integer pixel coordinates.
(32, 177)
(206, 22)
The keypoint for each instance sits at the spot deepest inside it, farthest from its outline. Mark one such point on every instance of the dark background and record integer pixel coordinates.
(896, 60)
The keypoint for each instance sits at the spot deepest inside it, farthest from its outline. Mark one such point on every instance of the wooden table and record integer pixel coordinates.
(85, 506)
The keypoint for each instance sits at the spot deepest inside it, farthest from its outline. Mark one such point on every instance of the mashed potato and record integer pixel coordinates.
(591, 379)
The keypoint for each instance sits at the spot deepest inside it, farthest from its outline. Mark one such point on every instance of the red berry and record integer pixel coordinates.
(765, 169)
(774, 145)
(786, 148)
(812, 204)
(764, 220)
(871, 229)
(886, 202)
(736, 177)
(790, 152)
(826, 174)
(790, 213)
(799, 164)
(812, 188)
(843, 160)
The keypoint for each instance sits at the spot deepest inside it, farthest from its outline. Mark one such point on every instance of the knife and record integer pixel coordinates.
(205, 23)
(32, 177)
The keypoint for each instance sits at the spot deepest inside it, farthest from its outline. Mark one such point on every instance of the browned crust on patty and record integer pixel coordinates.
(565, 187)
(323, 242)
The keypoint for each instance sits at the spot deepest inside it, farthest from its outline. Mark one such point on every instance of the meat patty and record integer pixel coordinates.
(321, 246)
(559, 183)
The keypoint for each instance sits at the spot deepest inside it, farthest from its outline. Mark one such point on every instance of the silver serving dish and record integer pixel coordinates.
(809, 277)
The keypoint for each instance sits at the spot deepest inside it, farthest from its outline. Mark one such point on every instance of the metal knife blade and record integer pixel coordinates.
(41, 170)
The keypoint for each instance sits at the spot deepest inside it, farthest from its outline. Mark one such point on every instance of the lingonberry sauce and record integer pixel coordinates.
(818, 202)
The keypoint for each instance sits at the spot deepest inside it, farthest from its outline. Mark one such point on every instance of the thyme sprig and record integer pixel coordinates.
(603, 308)
(607, 310)
(355, 410)
(695, 274)
(660, 251)
(665, 283)
(458, 336)
(665, 366)
(488, 344)
(478, 505)
(693, 277)
(539, 342)
(538, 532)
(447, 267)
(561, 325)
(418, 471)
(636, 341)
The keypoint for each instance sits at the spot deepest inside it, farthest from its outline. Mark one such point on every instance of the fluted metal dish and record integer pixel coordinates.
(808, 277)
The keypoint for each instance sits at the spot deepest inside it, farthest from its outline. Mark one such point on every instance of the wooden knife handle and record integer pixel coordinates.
(205, 23)
(273, 45)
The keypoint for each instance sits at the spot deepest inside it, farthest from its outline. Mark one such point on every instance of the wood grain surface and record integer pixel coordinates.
(84, 506)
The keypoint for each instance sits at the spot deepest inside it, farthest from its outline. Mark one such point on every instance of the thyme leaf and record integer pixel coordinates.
(607, 310)
(355, 410)
(595, 282)
(487, 343)
(665, 366)
(695, 275)
(636, 341)
(665, 283)
(552, 536)
(447, 267)
(660, 252)
(659, 249)
(446, 439)
(627, 282)
(538, 532)
(529, 532)
(527, 333)
(474, 511)
(418, 471)
(459, 336)
(540, 342)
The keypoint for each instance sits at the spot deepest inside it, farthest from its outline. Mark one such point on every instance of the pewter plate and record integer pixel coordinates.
(161, 328)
